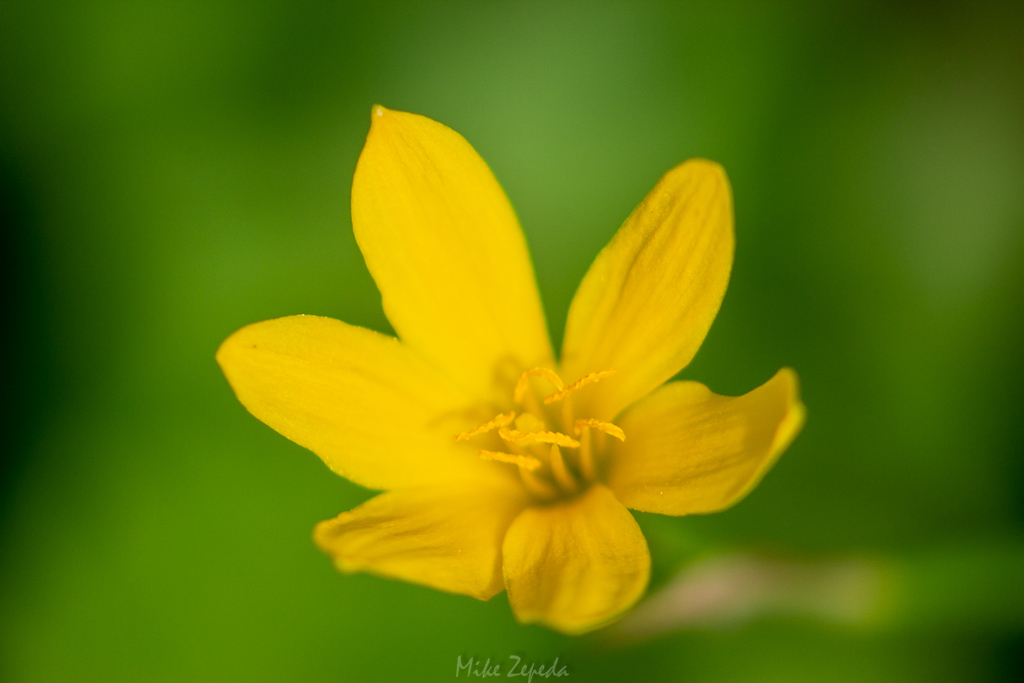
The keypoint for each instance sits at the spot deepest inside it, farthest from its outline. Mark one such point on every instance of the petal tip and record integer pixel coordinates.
(226, 350)
(711, 170)
(792, 380)
(707, 164)
(796, 413)
(379, 114)
(221, 353)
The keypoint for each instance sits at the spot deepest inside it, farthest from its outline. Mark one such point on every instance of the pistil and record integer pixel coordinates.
(537, 450)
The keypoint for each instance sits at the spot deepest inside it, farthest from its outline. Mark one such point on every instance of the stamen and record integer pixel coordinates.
(606, 427)
(524, 381)
(546, 473)
(577, 385)
(527, 462)
(498, 422)
(560, 471)
(529, 438)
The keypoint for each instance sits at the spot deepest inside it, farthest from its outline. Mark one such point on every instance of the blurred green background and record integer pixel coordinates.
(172, 171)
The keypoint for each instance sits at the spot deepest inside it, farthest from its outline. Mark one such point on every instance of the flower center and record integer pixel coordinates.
(553, 451)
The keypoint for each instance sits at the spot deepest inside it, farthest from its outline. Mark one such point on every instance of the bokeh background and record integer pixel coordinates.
(172, 171)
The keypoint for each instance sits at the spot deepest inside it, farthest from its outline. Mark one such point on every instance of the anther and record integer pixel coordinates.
(530, 438)
(577, 385)
(524, 381)
(527, 462)
(606, 427)
(498, 422)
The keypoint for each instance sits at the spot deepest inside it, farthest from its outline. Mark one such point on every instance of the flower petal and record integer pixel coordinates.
(445, 248)
(446, 537)
(651, 295)
(367, 405)
(688, 450)
(576, 565)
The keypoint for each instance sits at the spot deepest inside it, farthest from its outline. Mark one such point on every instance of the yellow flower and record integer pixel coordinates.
(503, 469)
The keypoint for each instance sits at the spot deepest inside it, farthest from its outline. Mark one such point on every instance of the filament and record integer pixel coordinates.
(561, 472)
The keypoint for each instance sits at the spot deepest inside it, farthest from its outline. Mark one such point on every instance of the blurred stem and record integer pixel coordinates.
(962, 587)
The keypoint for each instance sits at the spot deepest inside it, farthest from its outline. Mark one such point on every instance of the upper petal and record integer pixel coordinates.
(688, 450)
(576, 565)
(651, 295)
(445, 248)
(444, 536)
(368, 406)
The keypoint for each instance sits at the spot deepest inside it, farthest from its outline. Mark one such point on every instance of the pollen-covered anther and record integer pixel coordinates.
(527, 462)
(577, 385)
(498, 422)
(529, 438)
(606, 427)
(519, 393)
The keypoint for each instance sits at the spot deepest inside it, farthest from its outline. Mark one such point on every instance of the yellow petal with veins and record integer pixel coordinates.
(445, 537)
(373, 410)
(651, 295)
(575, 565)
(446, 250)
(692, 451)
